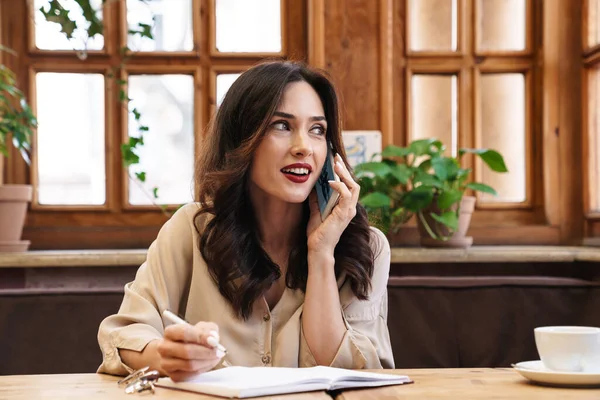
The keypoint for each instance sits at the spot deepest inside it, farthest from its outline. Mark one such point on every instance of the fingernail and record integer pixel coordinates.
(215, 334)
(220, 354)
(330, 182)
(211, 340)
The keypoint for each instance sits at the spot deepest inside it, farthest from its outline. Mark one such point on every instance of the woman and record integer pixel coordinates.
(252, 264)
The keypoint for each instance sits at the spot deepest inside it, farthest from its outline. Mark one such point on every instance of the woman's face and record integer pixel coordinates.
(290, 157)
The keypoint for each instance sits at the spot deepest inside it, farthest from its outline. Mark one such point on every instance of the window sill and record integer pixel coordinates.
(400, 255)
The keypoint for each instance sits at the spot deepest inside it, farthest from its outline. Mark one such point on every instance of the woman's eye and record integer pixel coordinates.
(318, 129)
(281, 126)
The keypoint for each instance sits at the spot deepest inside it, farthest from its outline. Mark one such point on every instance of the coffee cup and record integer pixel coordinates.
(569, 348)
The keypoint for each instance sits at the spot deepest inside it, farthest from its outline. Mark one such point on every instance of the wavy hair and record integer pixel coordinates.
(229, 240)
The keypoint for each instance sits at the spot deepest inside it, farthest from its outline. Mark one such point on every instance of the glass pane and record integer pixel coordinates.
(224, 82)
(248, 26)
(172, 29)
(435, 109)
(503, 129)
(501, 25)
(593, 122)
(433, 25)
(166, 105)
(593, 23)
(48, 35)
(70, 138)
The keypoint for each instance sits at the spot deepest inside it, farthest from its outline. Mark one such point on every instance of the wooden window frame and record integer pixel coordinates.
(117, 224)
(590, 61)
(493, 222)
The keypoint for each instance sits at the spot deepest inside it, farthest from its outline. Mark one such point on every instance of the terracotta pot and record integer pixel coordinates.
(13, 209)
(459, 238)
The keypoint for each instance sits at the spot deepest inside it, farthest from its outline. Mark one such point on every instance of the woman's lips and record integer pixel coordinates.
(296, 178)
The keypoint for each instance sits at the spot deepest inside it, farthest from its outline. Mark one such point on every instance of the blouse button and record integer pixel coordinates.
(266, 359)
(266, 317)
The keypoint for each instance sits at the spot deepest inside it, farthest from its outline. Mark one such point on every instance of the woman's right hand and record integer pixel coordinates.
(184, 350)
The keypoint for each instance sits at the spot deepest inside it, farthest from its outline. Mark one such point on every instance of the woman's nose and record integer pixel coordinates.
(301, 145)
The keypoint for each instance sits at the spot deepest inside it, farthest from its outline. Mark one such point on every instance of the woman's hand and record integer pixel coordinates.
(184, 350)
(324, 236)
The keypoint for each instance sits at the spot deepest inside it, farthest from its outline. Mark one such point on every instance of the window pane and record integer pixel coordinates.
(435, 109)
(172, 30)
(70, 138)
(49, 37)
(166, 105)
(503, 129)
(593, 122)
(248, 26)
(501, 25)
(433, 25)
(224, 82)
(593, 23)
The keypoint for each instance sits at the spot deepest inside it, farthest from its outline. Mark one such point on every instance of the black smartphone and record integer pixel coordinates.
(326, 196)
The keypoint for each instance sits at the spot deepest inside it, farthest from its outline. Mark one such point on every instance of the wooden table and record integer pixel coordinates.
(477, 383)
(466, 384)
(97, 386)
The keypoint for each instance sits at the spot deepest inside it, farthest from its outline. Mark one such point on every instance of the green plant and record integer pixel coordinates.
(16, 117)
(409, 180)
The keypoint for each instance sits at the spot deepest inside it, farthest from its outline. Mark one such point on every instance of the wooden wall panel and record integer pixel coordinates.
(352, 46)
(570, 128)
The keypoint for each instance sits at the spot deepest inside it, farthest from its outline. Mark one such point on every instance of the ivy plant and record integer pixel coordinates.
(16, 117)
(409, 181)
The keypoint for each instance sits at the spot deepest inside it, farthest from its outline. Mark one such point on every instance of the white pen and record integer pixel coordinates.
(212, 338)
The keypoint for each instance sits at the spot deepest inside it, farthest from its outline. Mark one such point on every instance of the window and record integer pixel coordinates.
(470, 85)
(85, 198)
(468, 72)
(591, 102)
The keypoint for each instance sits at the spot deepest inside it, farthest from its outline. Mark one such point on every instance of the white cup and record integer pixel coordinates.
(569, 348)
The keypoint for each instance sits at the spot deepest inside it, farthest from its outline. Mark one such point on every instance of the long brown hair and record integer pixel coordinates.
(229, 239)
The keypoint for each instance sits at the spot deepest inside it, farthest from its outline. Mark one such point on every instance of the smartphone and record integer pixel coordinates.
(326, 196)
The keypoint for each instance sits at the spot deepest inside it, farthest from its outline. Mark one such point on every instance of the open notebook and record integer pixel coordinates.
(264, 381)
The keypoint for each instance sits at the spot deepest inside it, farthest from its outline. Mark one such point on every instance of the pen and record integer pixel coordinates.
(212, 340)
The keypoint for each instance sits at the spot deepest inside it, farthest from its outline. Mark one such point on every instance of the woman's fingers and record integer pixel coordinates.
(186, 351)
(178, 364)
(346, 177)
(198, 333)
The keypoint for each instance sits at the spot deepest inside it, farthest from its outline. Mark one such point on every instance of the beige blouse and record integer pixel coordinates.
(175, 276)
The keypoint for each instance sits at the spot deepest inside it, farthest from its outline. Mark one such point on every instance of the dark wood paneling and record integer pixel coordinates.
(352, 57)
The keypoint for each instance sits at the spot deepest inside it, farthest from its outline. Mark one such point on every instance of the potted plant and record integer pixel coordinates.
(17, 123)
(419, 180)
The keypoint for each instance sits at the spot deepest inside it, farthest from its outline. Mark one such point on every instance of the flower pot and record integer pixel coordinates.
(13, 209)
(459, 238)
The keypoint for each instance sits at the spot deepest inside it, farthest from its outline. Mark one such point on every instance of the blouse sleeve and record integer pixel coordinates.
(366, 343)
(159, 284)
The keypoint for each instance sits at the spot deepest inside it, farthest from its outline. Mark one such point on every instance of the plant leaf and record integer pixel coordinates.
(395, 151)
(141, 176)
(378, 168)
(449, 218)
(418, 198)
(482, 187)
(402, 172)
(424, 178)
(491, 158)
(446, 169)
(375, 200)
(426, 147)
(56, 13)
(448, 197)
(91, 17)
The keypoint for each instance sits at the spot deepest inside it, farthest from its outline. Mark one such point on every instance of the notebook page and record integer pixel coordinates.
(252, 381)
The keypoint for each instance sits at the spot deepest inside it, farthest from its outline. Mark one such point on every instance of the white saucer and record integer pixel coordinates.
(537, 372)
